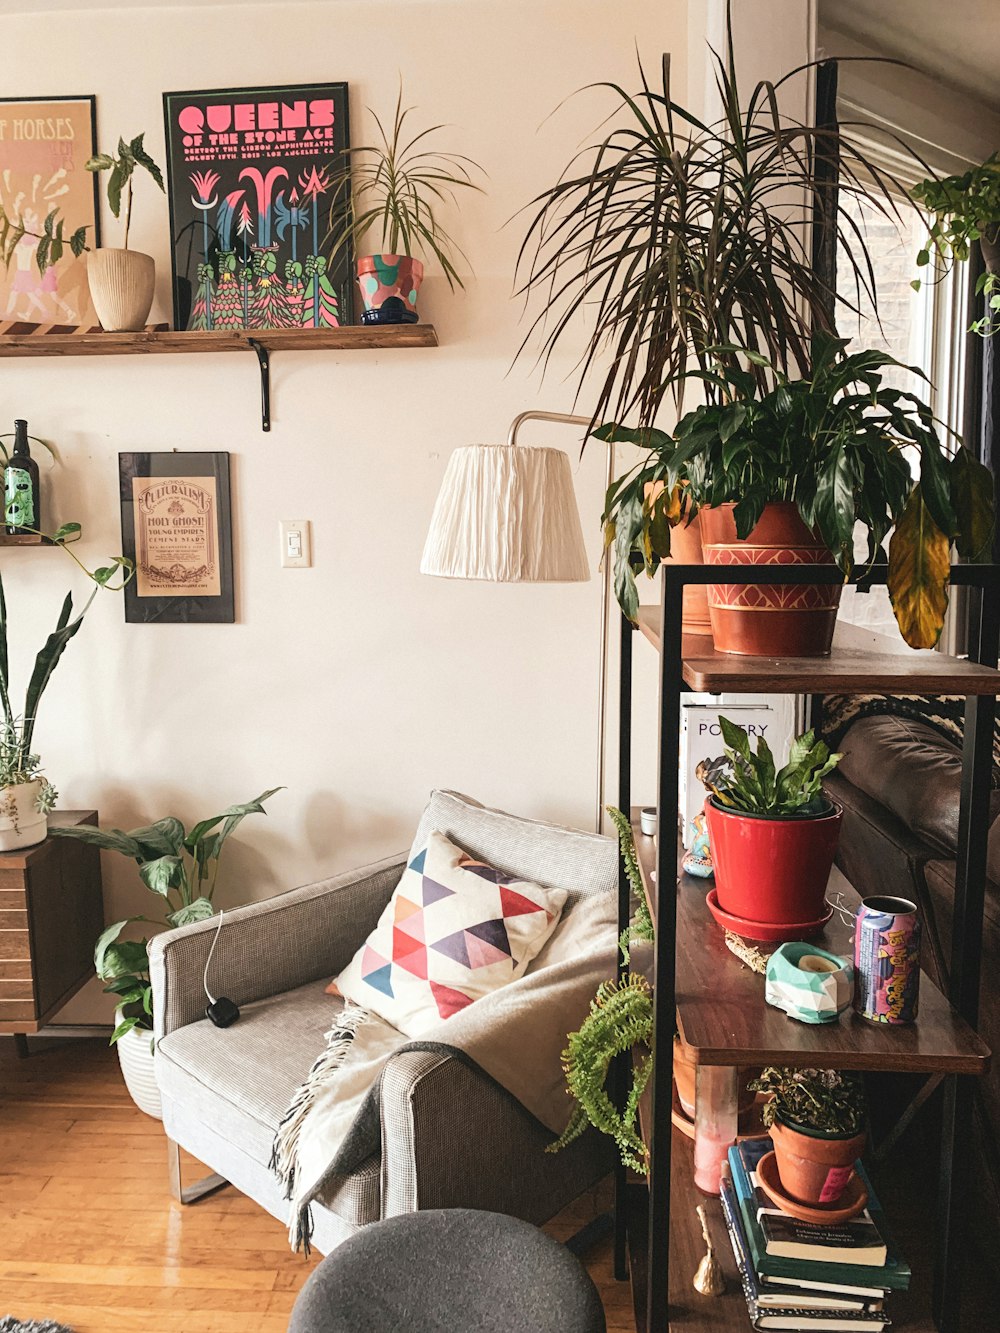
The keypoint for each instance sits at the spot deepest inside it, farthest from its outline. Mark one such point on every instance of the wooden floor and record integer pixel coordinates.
(90, 1237)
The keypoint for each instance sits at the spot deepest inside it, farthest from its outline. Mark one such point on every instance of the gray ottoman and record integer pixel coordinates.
(445, 1270)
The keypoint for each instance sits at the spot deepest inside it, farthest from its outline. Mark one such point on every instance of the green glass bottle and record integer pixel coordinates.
(21, 507)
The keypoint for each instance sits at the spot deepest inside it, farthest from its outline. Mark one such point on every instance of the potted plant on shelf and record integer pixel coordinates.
(676, 236)
(397, 186)
(817, 1121)
(966, 209)
(786, 474)
(181, 868)
(121, 280)
(26, 795)
(773, 835)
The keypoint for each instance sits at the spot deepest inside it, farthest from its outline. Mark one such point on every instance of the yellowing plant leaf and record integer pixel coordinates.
(919, 565)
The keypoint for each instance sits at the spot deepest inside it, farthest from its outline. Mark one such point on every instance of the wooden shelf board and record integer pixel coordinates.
(722, 1016)
(363, 337)
(24, 539)
(847, 670)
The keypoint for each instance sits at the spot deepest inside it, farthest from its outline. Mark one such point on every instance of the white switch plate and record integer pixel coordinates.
(296, 543)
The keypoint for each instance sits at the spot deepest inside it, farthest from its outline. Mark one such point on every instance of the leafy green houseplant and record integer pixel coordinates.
(773, 835)
(181, 868)
(121, 280)
(965, 210)
(26, 795)
(817, 1119)
(394, 188)
(834, 445)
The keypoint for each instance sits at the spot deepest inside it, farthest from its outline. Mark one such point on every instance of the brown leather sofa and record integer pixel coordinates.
(899, 784)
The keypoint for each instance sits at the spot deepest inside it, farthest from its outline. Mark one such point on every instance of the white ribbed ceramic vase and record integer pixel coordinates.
(121, 287)
(135, 1053)
(21, 825)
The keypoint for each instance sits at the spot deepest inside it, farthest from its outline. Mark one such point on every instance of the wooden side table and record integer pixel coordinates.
(51, 913)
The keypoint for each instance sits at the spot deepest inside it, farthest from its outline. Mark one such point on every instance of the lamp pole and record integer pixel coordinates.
(565, 419)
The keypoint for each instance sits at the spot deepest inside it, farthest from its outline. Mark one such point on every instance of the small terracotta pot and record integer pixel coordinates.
(121, 288)
(685, 1077)
(814, 1168)
(389, 286)
(772, 871)
(781, 620)
(685, 1073)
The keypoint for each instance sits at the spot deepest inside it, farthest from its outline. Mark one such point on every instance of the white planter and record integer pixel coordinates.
(21, 825)
(121, 286)
(135, 1053)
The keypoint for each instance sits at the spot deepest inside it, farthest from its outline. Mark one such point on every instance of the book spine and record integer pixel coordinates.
(729, 1211)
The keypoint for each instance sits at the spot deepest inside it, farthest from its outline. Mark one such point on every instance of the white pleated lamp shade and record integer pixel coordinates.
(508, 514)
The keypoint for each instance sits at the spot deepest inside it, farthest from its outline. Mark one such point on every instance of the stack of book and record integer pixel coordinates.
(803, 1275)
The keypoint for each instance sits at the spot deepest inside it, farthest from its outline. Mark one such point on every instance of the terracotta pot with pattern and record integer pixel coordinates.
(780, 620)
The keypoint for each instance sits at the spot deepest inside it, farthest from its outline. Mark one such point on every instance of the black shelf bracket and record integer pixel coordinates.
(264, 357)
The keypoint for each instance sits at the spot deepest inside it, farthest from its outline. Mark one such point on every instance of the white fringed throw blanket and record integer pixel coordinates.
(515, 1035)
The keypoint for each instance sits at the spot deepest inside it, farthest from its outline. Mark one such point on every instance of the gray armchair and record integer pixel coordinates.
(225, 1090)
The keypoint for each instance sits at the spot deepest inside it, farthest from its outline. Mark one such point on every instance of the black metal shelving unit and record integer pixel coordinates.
(663, 1299)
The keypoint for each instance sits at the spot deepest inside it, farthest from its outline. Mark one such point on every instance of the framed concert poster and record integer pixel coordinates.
(177, 529)
(252, 176)
(45, 192)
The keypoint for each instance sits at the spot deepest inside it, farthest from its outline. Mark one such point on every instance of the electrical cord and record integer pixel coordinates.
(222, 1011)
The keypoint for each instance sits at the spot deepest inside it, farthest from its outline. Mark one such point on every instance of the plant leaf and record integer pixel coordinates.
(972, 500)
(199, 910)
(163, 874)
(919, 566)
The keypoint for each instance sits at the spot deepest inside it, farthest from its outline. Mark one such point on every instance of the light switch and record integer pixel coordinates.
(296, 543)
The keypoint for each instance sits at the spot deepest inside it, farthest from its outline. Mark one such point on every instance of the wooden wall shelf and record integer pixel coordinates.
(152, 341)
(353, 338)
(24, 539)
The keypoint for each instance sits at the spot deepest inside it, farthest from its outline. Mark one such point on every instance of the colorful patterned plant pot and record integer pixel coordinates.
(389, 286)
(780, 620)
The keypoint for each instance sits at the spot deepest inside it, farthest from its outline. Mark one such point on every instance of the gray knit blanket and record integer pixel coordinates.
(515, 1035)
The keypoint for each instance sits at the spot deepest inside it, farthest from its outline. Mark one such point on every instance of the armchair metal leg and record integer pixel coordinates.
(190, 1194)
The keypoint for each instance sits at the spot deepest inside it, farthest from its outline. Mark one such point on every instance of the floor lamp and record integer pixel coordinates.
(508, 514)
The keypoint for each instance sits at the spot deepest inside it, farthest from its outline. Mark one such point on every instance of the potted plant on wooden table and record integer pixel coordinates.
(966, 210)
(395, 188)
(773, 835)
(121, 280)
(800, 465)
(679, 242)
(817, 1121)
(181, 868)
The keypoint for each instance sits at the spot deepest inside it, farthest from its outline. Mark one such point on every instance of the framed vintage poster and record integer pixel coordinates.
(177, 528)
(44, 143)
(251, 176)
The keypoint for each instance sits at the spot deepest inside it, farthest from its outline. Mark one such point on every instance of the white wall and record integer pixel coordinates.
(358, 684)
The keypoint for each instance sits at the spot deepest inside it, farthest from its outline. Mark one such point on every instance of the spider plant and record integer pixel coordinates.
(393, 188)
(679, 236)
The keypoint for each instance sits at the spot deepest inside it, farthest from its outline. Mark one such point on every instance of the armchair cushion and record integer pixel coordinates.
(454, 930)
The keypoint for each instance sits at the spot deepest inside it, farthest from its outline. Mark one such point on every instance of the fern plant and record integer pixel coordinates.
(621, 1017)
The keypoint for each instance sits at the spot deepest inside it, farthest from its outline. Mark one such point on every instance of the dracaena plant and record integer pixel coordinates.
(837, 444)
(122, 168)
(827, 1101)
(394, 189)
(966, 209)
(753, 784)
(181, 868)
(673, 236)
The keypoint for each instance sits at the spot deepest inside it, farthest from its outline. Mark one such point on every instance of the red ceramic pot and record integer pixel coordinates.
(781, 620)
(772, 870)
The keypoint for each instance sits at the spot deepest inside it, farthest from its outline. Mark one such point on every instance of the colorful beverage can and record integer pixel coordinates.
(887, 960)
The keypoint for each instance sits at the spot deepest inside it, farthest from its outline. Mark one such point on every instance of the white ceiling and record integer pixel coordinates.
(957, 42)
